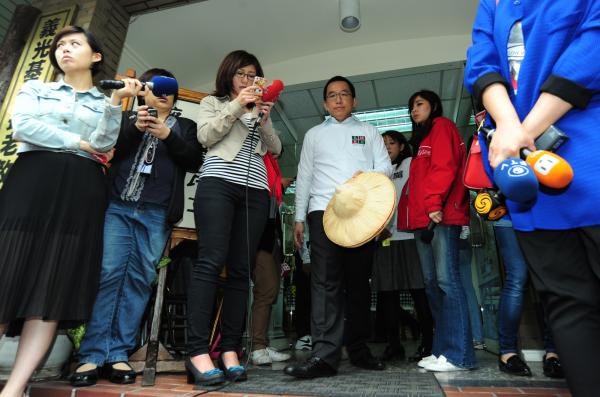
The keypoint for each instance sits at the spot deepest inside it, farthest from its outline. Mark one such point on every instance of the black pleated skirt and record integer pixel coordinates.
(52, 209)
(397, 267)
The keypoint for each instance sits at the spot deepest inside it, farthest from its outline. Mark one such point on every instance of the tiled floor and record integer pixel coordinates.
(486, 381)
(452, 391)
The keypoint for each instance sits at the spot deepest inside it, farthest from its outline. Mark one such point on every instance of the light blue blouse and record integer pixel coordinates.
(53, 116)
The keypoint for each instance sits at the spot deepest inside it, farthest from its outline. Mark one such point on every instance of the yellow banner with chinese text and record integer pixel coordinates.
(34, 64)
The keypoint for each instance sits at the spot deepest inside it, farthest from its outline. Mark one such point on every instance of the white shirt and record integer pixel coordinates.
(399, 177)
(331, 153)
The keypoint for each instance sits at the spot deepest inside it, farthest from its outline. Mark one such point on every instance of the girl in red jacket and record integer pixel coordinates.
(434, 198)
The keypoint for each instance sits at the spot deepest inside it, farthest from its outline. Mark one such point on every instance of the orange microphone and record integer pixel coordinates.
(550, 169)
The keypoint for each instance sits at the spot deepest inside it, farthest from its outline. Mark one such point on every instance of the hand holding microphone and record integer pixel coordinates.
(160, 85)
(427, 234)
(550, 169)
(269, 97)
(128, 88)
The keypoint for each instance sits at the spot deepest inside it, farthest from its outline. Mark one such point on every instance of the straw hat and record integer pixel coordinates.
(359, 209)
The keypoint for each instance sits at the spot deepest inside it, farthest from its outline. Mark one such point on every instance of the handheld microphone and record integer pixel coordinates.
(516, 180)
(489, 204)
(550, 169)
(427, 234)
(271, 94)
(160, 85)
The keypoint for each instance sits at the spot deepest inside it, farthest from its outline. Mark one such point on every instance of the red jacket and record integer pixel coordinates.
(273, 176)
(435, 180)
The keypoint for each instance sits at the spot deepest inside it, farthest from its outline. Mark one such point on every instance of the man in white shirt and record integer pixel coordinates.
(333, 152)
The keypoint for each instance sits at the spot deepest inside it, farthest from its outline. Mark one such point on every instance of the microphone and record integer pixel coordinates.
(271, 94)
(489, 204)
(550, 169)
(160, 85)
(427, 234)
(273, 91)
(516, 180)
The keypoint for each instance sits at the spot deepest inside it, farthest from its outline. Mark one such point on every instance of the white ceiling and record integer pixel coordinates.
(192, 40)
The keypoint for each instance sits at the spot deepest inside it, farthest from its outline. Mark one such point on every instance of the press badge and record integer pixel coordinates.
(145, 168)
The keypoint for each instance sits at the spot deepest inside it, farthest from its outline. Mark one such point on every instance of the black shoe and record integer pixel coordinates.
(314, 367)
(420, 354)
(212, 377)
(553, 368)
(367, 361)
(514, 366)
(84, 378)
(121, 376)
(235, 373)
(393, 352)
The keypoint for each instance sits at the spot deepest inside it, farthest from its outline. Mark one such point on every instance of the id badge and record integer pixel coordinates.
(145, 169)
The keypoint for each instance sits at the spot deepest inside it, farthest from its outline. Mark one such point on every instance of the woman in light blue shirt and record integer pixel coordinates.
(53, 201)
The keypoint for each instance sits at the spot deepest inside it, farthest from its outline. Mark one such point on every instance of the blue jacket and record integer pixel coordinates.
(562, 57)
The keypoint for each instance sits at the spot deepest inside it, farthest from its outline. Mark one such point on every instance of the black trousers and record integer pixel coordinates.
(302, 281)
(228, 234)
(340, 293)
(565, 268)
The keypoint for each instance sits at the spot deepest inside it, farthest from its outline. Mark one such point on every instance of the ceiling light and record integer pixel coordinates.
(349, 15)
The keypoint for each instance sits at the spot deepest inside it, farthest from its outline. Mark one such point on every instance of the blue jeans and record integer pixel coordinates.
(439, 262)
(513, 291)
(135, 235)
(466, 278)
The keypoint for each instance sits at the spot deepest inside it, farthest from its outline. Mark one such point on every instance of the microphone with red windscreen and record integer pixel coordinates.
(271, 94)
(273, 91)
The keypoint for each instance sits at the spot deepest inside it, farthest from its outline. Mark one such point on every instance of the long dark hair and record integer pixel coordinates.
(400, 139)
(92, 42)
(420, 131)
(230, 64)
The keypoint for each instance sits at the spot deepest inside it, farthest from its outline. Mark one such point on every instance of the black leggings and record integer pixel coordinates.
(389, 309)
(227, 235)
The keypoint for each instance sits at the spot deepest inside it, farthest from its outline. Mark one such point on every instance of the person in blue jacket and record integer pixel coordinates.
(534, 64)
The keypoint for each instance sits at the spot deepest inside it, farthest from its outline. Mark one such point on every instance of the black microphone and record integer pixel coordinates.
(427, 234)
(117, 84)
(160, 85)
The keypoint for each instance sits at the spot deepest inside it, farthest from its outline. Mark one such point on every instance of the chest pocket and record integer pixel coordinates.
(50, 104)
(356, 148)
(89, 114)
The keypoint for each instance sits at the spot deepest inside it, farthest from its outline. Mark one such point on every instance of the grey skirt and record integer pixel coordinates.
(397, 267)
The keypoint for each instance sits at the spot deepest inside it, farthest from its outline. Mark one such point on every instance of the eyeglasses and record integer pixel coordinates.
(332, 96)
(240, 75)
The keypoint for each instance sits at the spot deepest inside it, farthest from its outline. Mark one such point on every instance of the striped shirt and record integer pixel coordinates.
(236, 171)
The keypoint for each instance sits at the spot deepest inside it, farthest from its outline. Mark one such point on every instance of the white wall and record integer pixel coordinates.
(352, 61)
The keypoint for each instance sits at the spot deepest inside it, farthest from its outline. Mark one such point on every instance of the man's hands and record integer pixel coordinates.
(299, 235)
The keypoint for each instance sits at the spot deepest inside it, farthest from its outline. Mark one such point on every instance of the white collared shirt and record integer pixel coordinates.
(331, 153)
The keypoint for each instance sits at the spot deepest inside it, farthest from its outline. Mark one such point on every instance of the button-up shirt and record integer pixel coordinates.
(53, 116)
(331, 153)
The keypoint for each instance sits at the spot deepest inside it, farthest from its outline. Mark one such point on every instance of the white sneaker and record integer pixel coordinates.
(267, 356)
(304, 343)
(260, 357)
(426, 360)
(277, 356)
(442, 365)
